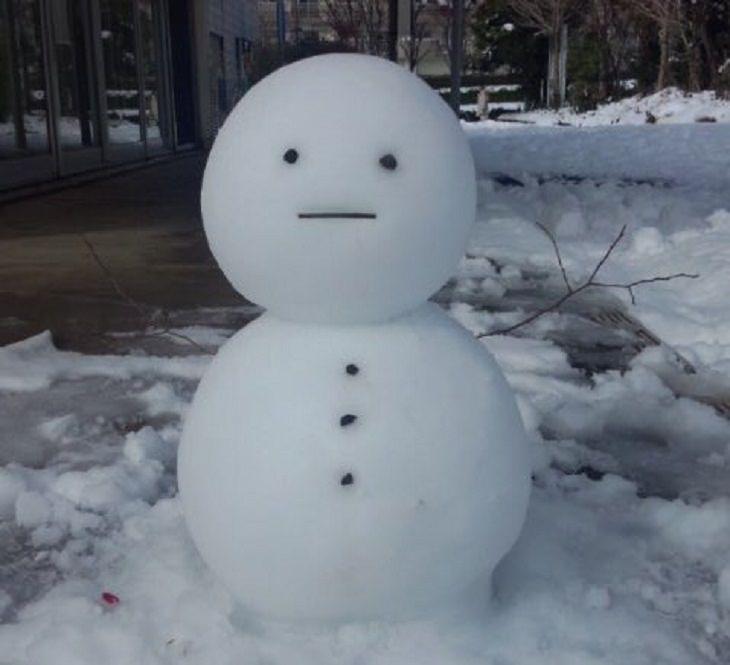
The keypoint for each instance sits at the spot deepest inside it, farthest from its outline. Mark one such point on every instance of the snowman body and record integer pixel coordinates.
(353, 453)
(367, 470)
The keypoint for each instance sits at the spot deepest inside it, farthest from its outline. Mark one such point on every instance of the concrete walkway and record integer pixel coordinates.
(144, 226)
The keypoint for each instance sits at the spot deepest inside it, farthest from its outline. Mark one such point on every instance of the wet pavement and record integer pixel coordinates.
(144, 227)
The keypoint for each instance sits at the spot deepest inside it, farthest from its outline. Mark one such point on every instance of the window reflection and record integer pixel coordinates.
(120, 71)
(77, 125)
(153, 93)
(23, 102)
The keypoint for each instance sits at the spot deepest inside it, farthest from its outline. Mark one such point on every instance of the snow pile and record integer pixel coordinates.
(668, 106)
(668, 233)
(599, 575)
(35, 364)
(696, 154)
(591, 578)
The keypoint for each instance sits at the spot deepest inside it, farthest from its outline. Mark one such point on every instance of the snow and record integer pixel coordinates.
(668, 106)
(333, 465)
(659, 154)
(624, 559)
(339, 269)
(424, 520)
(34, 364)
(119, 127)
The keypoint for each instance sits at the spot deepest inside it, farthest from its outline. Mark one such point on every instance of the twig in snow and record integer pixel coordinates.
(571, 291)
(558, 255)
(146, 312)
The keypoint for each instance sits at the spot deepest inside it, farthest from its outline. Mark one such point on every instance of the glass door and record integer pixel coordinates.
(121, 81)
(155, 87)
(75, 86)
(25, 131)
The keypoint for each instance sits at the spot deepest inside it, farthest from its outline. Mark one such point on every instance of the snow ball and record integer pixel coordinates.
(719, 220)
(32, 509)
(57, 429)
(48, 535)
(147, 444)
(700, 532)
(492, 287)
(107, 488)
(11, 485)
(161, 398)
(648, 241)
(351, 176)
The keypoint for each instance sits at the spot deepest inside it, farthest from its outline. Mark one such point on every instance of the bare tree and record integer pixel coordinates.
(445, 21)
(700, 51)
(548, 17)
(667, 15)
(361, 24)
(413, 46)
(610, 21)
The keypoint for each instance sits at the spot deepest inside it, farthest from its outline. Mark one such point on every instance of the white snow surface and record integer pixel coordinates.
(668, 106)
(437, 457)
(607, 571)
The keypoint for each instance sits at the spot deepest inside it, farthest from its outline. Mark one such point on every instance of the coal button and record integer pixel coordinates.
(347, 419)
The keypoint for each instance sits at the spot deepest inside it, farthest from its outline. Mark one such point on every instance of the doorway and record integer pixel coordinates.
(89, 83)
(181, 38)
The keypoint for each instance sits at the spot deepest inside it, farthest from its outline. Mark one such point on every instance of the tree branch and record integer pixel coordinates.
(146, 312)
(590, 282)
(558, 255)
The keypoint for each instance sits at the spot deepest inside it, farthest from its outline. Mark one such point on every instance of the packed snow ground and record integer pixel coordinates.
(608, 570)
(668, 106)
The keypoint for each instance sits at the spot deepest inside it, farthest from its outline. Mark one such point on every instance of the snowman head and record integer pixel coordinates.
(340, 189)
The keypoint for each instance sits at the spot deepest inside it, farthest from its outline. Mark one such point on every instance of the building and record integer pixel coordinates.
(362, 25)
(93, 84)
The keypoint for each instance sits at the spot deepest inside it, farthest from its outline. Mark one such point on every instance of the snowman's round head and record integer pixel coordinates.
(340, 189)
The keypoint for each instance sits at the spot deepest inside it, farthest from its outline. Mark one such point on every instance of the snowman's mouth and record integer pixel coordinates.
(337, 215)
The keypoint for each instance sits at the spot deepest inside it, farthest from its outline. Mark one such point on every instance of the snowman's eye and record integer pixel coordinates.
(388, 162)
(291, 156)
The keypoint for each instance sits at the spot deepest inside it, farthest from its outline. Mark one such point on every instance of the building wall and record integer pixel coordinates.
(92, 84)
(306, 19)
(231, 27)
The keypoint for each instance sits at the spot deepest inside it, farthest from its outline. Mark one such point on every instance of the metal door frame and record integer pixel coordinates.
(34, 168)
(26, 169)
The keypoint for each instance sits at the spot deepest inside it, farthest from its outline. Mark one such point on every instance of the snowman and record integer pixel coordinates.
(353, 454)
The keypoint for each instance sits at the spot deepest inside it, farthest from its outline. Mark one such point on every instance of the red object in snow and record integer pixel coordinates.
(109, 598)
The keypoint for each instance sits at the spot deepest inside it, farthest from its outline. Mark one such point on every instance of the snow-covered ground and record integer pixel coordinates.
(625, 558)
(668, 106)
